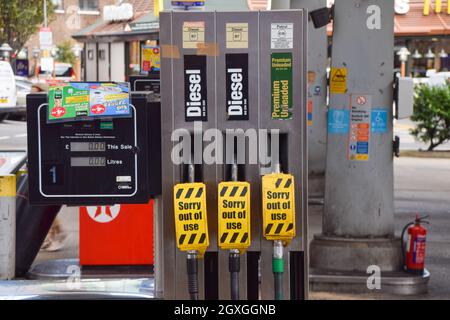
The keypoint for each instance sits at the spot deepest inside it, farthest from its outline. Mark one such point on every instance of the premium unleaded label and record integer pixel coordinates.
(281, 86)
(237, 86)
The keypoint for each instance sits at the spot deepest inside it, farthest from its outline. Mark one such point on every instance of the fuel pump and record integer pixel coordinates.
(239, 74)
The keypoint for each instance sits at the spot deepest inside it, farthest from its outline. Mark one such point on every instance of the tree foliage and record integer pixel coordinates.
(65, 53)
(20, 19)
(432, 114)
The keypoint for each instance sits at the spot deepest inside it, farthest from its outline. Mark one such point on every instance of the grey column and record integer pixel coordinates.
(358, 221)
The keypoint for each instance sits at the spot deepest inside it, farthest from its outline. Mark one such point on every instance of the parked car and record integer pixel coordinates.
(8, 99)
(23, 86)
(64, 72)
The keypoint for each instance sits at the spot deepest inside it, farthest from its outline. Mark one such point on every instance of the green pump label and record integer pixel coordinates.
(281, 86)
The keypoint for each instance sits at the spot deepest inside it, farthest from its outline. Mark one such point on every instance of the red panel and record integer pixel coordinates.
(119, 235)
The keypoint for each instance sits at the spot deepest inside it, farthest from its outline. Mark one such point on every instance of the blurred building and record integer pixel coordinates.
(423, 27)
(424, 30)
(114, 44)
(70, 17)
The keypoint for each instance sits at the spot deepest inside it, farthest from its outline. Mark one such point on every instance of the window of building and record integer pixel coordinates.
(88, 5)
(59, 4)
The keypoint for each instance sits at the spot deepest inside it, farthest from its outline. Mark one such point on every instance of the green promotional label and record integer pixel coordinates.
(77, 100)
(67, 102)
(281, 86)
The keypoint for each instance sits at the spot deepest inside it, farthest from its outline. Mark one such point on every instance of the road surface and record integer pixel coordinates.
(13, 135)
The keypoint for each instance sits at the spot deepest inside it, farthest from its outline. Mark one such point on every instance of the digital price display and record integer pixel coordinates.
(88, 162)
(87, 146)
(95, 161)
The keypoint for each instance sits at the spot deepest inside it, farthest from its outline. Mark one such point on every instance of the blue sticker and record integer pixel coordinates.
(338, 121)
(379, 120)
(362, 147)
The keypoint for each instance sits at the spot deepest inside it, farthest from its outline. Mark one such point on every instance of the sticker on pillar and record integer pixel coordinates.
(282, 36)
(338, 83)
(379, 120)
(310, 112)
(278, 206)
(191, 225)
(338, 121)
(195, 94)
(360, 121)
(281, 86)
(237, 35)
(234, 215)
(193, 34)
(237, 86)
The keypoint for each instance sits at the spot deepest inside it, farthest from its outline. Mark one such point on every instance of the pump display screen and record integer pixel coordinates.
(88, 162)
(88, 146)
(88, 158)
(94, 161)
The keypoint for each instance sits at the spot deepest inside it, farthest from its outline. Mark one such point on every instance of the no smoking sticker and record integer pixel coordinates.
(360, 123)
(278, 207)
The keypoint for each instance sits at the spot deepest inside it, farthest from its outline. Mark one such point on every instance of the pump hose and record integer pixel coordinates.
(234, 266)
(278, 270)
(192, 272)
(278, 286)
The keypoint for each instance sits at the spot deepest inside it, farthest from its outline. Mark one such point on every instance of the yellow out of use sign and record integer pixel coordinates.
(234, 215)
(191, 224)
(278, 206)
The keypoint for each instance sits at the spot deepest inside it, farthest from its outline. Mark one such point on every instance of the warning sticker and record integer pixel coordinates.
(282, 36)
(360, 121)
(234, 215)
(338, 83)
(278, 207)
(237, 35)
(310, 112)
(191, 225)
(193, 34)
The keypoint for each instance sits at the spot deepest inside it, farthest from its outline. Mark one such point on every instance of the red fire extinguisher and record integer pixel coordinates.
(414, 251)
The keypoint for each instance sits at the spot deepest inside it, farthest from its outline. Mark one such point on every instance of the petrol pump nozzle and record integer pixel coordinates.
(192, 272)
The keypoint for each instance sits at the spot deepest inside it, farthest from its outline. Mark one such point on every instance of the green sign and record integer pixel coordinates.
(281, 86)
(67, 102)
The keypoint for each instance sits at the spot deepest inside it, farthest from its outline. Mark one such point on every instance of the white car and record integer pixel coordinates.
(8, 96)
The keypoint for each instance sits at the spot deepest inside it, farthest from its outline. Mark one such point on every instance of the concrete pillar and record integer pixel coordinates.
(358, 221)
(7, 226)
